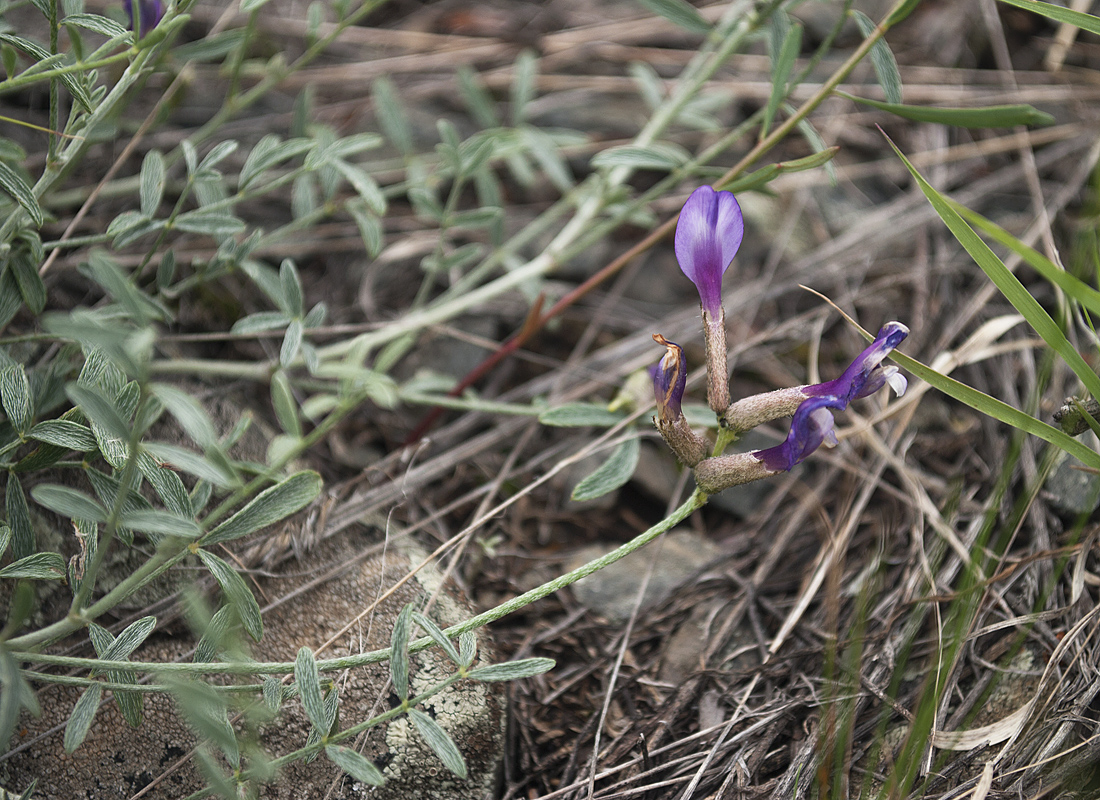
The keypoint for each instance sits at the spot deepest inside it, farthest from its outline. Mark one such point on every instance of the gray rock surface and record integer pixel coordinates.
(612, 591)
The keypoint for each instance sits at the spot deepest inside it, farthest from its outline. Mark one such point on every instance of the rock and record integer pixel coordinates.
(116, 761)
(1071, 488)
(611, 591)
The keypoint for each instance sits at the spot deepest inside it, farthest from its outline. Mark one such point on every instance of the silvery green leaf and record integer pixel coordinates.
(369, 225)
(363, 184)
(259, 159)
(292, 287)
(19, 518)
(662, 156)
(273, 693)
(783, 59)
(218, 153)
(167, 484)
(354, 764)
(576, 415)
(429, 627)
(152, 182)
(209, 223)
(886, 67)
(68, 502)
(97, 24)
(478, 100)
(64, 433)
(214, 636)
(680, 13)
(24, 268)
(236, 593)
(5, 538)
(99, 410)
(15, 391)
(188, 412)
(286, 407)
(80, 720)
(214, 775)
(467, 648)
(524, 77)
(12, 183)
(309, 689)
(650, 85)
(349, 146)
(437, 739)
(546, 152)
(399, 653)
(193, 463)
(190, 156)
(391, 116)
(36, 566)
(204, 709)
(292, 342)
(810, 134)
(612, 474)
(262, 321)
(512, 670)
(269, 507)
(248, 6)
(129, 640)
(161, 522)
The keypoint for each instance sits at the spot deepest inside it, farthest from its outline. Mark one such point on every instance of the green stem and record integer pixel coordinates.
(692, 504)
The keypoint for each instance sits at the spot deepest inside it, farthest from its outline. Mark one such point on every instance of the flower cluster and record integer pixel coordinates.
(708, 236)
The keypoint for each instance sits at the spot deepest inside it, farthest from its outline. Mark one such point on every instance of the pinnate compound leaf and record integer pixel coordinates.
(354, 764)
(236, 593)
(80, 721)
(437, 739)
(270, 506)
(612, 474)
(512, 670)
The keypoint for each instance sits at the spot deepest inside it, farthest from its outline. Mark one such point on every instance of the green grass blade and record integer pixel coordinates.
(1075, 288)
(1008, 283)
(997, 409)
(1086, 22)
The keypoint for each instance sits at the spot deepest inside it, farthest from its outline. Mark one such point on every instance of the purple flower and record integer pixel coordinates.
(669, 379)
(866, 375)
(149, 14)
(707, 238)
(811, 427)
